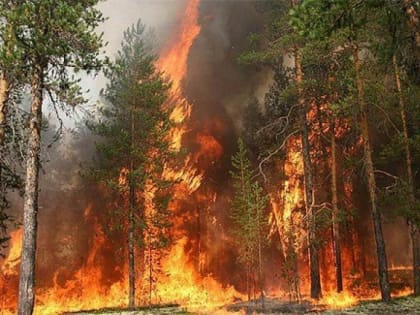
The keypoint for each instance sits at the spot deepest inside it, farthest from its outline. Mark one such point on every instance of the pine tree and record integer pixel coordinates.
(134, 147)
(317, 20)
(53, 37)
(248, 215)
(393, 46)
(281, 40)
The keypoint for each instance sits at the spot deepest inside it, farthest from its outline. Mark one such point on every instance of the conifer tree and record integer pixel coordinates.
(394, 48)
(53, 38)
(134, 146)
(318, 20)
(248, 215)
(280, 40)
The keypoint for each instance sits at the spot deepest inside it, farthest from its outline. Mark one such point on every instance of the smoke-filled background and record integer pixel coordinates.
(218, 89)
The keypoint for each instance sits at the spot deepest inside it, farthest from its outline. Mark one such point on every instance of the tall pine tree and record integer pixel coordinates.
(57, 39)
(134, 126)
(249, 218)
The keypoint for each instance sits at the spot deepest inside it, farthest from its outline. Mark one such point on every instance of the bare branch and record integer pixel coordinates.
(387, 174)
(398, 131)
(271, 154)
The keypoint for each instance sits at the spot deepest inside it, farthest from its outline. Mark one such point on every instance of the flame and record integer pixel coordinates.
(334, 300)
(174, 58)
(9, 266)
(84, 291)
(182, 284)
(179, 281)
(173, 62)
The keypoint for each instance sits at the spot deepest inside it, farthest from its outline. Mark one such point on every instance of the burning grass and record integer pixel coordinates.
(149, 310)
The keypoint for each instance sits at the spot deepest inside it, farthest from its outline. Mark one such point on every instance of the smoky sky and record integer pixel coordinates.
(159, 17)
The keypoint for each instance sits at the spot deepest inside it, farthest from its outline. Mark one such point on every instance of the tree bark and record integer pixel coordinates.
(150, 270)
(414, 233)
(335, 223)
(30, 207)
(309, 189)
(370, 174)
(260, 266)
(4, 95)
(131, 224)
(260, 272)
(248, 282)
(4, 91)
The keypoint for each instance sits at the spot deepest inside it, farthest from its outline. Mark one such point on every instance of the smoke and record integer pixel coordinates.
(158, 16)
(216, 81)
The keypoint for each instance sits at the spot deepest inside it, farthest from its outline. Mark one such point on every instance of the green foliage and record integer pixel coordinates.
(133, 146)
(58, 37)
(315, 19)
(248, 208)
(267, 48)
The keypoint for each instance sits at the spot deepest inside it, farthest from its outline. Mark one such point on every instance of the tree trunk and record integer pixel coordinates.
(309, 189)
(131, 224)
(150, 270)
(335, 222)
(4, 95)
(414, 233)
(30, 207)
(260, 266)
(4, 91)
(370, 174)
(248, 284)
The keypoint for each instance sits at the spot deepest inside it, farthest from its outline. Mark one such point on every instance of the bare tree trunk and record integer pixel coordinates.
(309, 189)
(260, 271)
(260, 266)
(30, 207)
(414, 233)
(370, 174)
(248, 284)
(254, 286)
(415, 239)
(131, 224)
(335, 223)
(4, 95)
(4, 91)
(150, 270)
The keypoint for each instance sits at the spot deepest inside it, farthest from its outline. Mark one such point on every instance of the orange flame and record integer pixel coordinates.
(180, 282)
(9, 266)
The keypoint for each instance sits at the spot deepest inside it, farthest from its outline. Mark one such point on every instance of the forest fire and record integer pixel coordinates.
(204, 266)
(178, 281)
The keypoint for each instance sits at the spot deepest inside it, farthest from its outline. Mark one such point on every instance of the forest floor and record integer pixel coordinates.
(400, 306)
